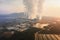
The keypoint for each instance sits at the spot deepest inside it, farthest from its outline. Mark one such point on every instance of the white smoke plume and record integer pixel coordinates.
(33, 8)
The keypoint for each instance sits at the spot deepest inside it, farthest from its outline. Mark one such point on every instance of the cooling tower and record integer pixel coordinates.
(33, 8)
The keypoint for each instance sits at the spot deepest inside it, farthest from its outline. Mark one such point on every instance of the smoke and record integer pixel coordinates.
(33, 8)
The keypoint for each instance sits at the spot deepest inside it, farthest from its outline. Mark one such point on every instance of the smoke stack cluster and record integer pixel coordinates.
(33, 8)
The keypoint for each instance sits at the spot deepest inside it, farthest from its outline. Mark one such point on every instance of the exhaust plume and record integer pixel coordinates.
(33, 8)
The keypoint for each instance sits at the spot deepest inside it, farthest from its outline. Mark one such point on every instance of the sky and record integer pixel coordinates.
(52, 7)
(10, 6)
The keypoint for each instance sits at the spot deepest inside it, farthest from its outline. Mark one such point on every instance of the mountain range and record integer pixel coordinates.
(11, 16)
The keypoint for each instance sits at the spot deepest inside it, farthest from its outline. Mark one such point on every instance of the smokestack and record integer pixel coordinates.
(33, 8)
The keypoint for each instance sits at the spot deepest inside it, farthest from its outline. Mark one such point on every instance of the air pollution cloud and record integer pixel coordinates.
(33, 8)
